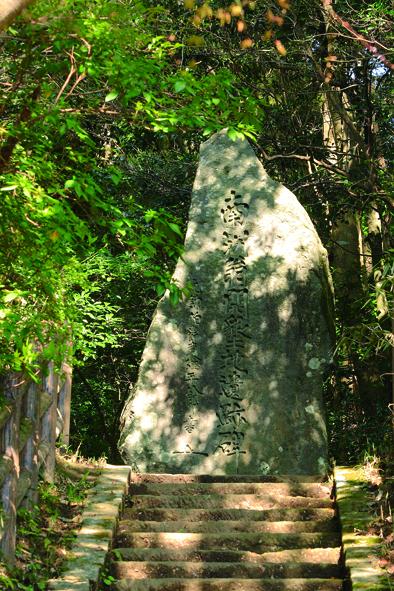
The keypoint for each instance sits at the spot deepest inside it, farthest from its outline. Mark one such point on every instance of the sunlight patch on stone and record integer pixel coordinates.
(224, 375)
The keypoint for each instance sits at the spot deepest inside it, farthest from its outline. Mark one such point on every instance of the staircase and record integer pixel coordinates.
(228, 533)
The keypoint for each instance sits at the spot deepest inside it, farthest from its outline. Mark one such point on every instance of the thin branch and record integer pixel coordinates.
(276, 156)
(356, 254)
(102, 110)
(337, 106)
(69, 76)
(311, 159)
(77, 81)
(371, 46)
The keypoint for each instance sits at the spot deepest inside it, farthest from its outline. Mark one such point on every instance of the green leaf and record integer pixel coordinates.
(179, 85)
(12, 295)
(160, 289)
(233, 134)
(175, 228)
(174, 298)
(111, 96)
(150, 214)
(10, 188)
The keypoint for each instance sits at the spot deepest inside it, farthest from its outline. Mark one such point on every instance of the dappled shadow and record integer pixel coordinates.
(178, 528)
(231, 379)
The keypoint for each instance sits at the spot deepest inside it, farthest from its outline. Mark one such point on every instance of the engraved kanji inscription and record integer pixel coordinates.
(193, 362)
(236, 331)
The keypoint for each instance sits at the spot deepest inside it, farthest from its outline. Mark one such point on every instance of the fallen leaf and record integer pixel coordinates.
(246, 43)
(236, 10)
(280, 47)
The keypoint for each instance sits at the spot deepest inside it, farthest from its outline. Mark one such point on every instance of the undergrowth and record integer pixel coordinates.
(45, 533)
(380, 486)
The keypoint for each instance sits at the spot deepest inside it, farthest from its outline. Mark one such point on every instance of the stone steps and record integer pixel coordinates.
(329, 525)
(303, 489)
(309, 555)
(230, 540)
(223, 478)
(247, 570)
(228, 501)
(229, 585)
(220, 533)
(282, 514)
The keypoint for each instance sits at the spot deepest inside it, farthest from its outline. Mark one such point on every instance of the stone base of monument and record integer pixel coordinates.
(232, 533)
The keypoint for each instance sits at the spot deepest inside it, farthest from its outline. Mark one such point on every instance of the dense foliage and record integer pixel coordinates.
(66, 215)
(104, 105)
(46, 532)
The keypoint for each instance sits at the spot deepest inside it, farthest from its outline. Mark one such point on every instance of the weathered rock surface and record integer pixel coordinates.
(232, 549)
(231, 379)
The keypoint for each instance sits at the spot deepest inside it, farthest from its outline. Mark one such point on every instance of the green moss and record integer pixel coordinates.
(361, 551)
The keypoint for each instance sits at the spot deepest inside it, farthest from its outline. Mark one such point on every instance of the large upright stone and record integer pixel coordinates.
(231, 378)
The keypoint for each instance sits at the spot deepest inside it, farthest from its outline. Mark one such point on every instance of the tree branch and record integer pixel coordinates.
(371, 46)
(326, 165)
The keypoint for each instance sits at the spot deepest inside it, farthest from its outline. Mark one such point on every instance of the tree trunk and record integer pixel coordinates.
(9, 9)
(353, 257)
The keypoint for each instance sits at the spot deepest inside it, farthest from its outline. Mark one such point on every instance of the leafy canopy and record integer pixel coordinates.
(70, 70)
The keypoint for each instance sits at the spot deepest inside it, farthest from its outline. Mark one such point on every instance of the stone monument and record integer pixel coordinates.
(231, 378)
